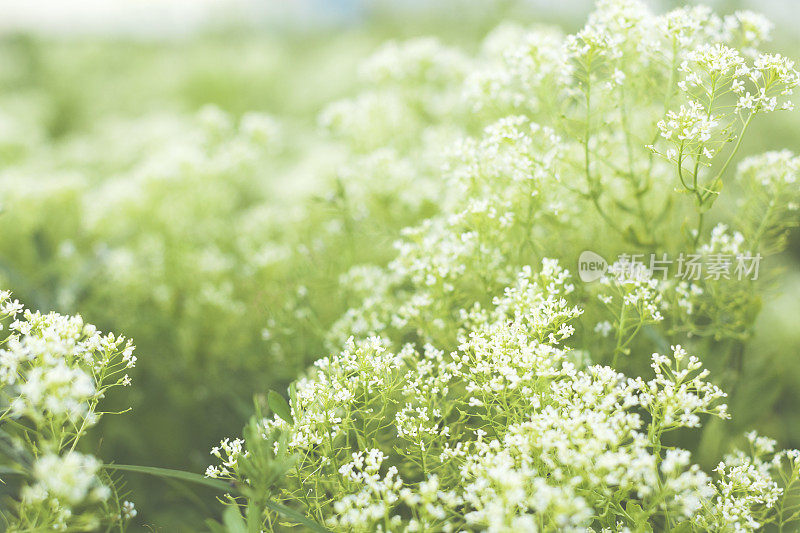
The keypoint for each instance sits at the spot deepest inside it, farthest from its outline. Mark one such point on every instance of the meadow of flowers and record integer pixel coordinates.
(355, 267)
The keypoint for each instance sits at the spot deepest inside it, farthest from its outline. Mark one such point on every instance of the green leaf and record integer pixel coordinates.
(279, 406)
(639, 516)
(633, 509)
(234, 523)
(175, 474)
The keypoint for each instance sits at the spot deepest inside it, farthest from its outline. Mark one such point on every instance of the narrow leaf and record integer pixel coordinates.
(175, 474)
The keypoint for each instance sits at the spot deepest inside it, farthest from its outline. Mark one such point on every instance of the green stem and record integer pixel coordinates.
(718, 178)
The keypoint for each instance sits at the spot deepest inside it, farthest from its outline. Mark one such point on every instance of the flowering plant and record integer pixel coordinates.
(54, 371)
(473, 391)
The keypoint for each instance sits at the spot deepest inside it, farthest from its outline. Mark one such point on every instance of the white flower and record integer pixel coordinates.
(128, 510)
(692, 123)
(71, 479)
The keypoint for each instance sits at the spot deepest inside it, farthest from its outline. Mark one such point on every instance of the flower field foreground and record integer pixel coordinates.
(538, 264)
(473, 390)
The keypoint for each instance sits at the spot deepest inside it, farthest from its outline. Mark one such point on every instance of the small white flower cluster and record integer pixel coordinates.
(688, 27)
(228, 453)
(750, 485)
(128, 510)
(374, 502)
(55, 367)
(775, 79)
(723, 242)
(369, 120)
(679, 394)
(69, 479)
(718, 61)
(691, 123)
(54, 370)
(57, 390)
(585, 444)
(632, 299)
(538, 301)
(637, 287)
(407, 85)
(687, 293)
